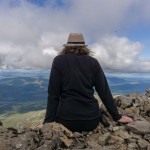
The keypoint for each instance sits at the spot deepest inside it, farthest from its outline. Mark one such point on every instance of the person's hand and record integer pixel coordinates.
(125, 119)
(40, 126)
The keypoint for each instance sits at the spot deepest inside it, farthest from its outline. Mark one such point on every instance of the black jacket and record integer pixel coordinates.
(71, 88)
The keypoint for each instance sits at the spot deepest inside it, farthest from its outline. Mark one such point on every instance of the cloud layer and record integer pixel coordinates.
(31, 35)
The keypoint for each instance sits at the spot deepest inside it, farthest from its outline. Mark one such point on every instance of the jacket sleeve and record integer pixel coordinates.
(104, 93)
(54, 92)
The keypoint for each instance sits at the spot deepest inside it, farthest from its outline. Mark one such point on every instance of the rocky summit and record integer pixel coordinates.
(109, 135)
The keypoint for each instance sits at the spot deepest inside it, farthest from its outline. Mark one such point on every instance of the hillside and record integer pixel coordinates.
(30, 119)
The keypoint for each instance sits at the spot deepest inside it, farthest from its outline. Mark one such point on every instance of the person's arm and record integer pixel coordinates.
(104, 93)
(54, 93)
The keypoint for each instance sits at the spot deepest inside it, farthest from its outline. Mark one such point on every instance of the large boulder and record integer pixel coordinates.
(140, 127)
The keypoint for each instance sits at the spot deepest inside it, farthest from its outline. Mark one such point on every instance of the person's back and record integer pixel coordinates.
(74, 75)
(78, 80)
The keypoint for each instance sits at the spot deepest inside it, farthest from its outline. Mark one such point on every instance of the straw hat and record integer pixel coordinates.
(75, 39)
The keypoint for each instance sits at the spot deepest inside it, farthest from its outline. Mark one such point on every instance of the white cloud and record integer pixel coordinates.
(118, 53)
(50, 51)
(30, 36)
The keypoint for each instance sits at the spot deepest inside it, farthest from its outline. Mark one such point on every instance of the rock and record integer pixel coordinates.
(3, 145)
(3, 130)
(132, 145)
(94, 138)
(123, 101)
(1, 124)
(134, 95)
(131, 140)
(148, 113)
(103, 139)
(148, 92)
(122, 134)
(18, 145)
(140, 100)
(148, 147)
(147, 137)
(66, 141)
(132, 110)
(95, 146)
(143, 144)
(116, 128)
(110, 142)
(136, 110)
(146, 105)
(77, 134)
(137, 117)
(117, 139)
(140, 127)
(135, 136)
(114, 147)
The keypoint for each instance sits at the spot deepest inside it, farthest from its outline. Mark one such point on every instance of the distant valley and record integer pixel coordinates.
(24, 91)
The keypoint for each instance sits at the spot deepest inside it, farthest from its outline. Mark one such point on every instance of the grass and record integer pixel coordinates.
(29, 119)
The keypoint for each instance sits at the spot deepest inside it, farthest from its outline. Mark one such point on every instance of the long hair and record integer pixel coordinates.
(79, 50)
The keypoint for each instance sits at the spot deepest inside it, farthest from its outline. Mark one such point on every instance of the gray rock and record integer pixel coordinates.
(147, 137)
(1, 124)
(94, 138)
(110, 142)
(148, 113)
(140, 101)
(116, 128)
(134, 95)
(146, 105)
(148, 147)
(103, 139)
(25, 141)
(117, 139)
(123, 134)
(131, 140)
(4, 145)
(77, 134)
(132, 145)
(131, 111)
(114, 147)
(143, 143)
(138, 117)
(3, 130)
(123, 101)
(95, 146)
(148, 92)
(18, 146)
(135, 136)
(140, 127)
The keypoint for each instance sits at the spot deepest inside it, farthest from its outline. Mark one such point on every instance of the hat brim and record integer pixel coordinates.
(74, 45)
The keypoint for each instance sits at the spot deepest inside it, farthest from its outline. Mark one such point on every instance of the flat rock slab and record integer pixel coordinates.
(139, 127)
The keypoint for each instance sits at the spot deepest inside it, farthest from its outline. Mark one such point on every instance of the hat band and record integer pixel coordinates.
(75, 42)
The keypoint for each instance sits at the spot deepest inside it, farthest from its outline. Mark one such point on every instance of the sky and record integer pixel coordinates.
(32, 32)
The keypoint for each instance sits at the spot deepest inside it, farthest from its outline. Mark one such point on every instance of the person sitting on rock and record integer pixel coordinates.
(74, 75)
